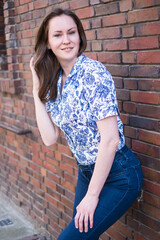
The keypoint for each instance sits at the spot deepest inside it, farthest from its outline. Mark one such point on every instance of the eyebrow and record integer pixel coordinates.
(67, 30)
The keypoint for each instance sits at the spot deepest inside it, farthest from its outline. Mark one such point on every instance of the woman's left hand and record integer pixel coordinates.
(85, 212)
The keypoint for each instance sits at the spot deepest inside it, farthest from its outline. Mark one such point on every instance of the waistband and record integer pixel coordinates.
(124, 149)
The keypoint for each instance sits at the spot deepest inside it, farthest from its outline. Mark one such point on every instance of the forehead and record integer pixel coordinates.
(61, 23)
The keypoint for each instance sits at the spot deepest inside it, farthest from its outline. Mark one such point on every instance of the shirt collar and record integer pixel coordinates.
(76, 65)
(74, 70)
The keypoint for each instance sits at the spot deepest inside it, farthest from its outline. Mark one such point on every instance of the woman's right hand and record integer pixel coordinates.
(34, 75)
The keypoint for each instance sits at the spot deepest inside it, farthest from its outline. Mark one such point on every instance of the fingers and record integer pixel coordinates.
(83, 220)
(76, 220)
(86, 223)
(91, 220)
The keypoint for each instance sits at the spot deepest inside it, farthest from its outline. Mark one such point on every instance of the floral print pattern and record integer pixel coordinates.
(88, 95)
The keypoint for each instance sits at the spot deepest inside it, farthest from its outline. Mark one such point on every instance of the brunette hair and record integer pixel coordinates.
(46, 63)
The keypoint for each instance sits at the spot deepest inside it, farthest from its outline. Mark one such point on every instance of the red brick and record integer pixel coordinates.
(96, 22)
(151, 199)
(150, 137)
(40, 4)
(143, 42)
(112, 20)
(143, 4)
(93, 2)
(105, 9)
(70, 178)
(86, 24)
(148, 111)
(79, 4)
(130, 83)
(123, 94)
(64, 150)
(128, 31)
(120, 44)
(115, 234)
(85, 12)
(96, 46)
(149, 85)
(54, 177)
(138, 236)
(125, 5)
(130, 132)
(107, 33)
(106, 1)
(27, 34)
(145, 148)
(144, 71)
(143, 15)
(90, 35)
(129, 57)
(151, 210)
(118, 70)
(144, 97)
(91, 55)
(66, 167)
(109, 57)
(50, 184)
(129, 107)
(118, 82)
(150, 28)
(24, 1)
(30, 6)
(122, 229)
(148, 57)
(151, 174)
(152, 188)
(68, 185)
(141, 122)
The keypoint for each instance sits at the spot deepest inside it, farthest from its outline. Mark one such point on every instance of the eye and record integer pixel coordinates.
(57, 35)
(72, 32)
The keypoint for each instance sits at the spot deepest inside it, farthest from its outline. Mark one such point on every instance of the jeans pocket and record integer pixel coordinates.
(135, 177)
(138, 172)
(128, 159)
(119, 181)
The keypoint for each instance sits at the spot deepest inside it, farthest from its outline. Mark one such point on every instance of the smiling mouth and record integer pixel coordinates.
(67, 49)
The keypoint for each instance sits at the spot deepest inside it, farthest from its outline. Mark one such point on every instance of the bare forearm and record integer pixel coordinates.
(48, 131)
(105, 157)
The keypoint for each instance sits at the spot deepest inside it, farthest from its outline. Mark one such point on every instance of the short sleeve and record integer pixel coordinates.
(101, 93)
(48, 106)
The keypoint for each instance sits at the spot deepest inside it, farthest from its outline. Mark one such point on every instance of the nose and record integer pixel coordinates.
(66, 39)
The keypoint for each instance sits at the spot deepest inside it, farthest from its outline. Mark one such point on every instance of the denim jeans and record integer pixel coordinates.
(120, 190)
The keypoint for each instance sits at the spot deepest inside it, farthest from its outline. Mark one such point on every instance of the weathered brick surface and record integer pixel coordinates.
(124, 35)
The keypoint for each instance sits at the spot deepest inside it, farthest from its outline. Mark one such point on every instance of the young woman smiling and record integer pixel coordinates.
(77, 95)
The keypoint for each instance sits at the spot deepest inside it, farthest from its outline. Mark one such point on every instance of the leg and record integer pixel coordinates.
(119, 192)
(112, 205)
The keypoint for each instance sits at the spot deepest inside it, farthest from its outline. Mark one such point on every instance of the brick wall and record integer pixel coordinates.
(125, 36)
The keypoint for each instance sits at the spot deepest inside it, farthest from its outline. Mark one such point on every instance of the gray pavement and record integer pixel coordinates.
(13, 225)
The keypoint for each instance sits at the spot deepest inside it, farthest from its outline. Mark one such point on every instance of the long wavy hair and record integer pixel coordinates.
(46, 64)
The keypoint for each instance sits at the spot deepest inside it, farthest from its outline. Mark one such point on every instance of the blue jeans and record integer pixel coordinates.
(120, 190)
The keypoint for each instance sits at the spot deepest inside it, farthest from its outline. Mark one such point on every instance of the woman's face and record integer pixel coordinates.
(63, 38)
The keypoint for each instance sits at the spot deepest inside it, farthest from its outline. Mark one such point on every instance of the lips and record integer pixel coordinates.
(67, 49)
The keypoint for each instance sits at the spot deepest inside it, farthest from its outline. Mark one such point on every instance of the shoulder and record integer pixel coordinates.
(92, 65)
(95, 71)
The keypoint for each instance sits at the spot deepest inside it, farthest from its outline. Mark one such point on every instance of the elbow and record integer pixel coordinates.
(114, 142)
(50, 142)
(111, 143)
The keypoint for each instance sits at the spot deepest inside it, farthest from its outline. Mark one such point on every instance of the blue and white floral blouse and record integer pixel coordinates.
(88, 95)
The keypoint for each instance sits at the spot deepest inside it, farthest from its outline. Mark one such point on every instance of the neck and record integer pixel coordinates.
(67, 66)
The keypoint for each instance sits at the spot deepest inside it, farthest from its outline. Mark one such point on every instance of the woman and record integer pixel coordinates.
(77, 95)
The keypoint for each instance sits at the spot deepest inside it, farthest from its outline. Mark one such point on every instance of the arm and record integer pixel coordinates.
(48, 130)
(106, 151)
